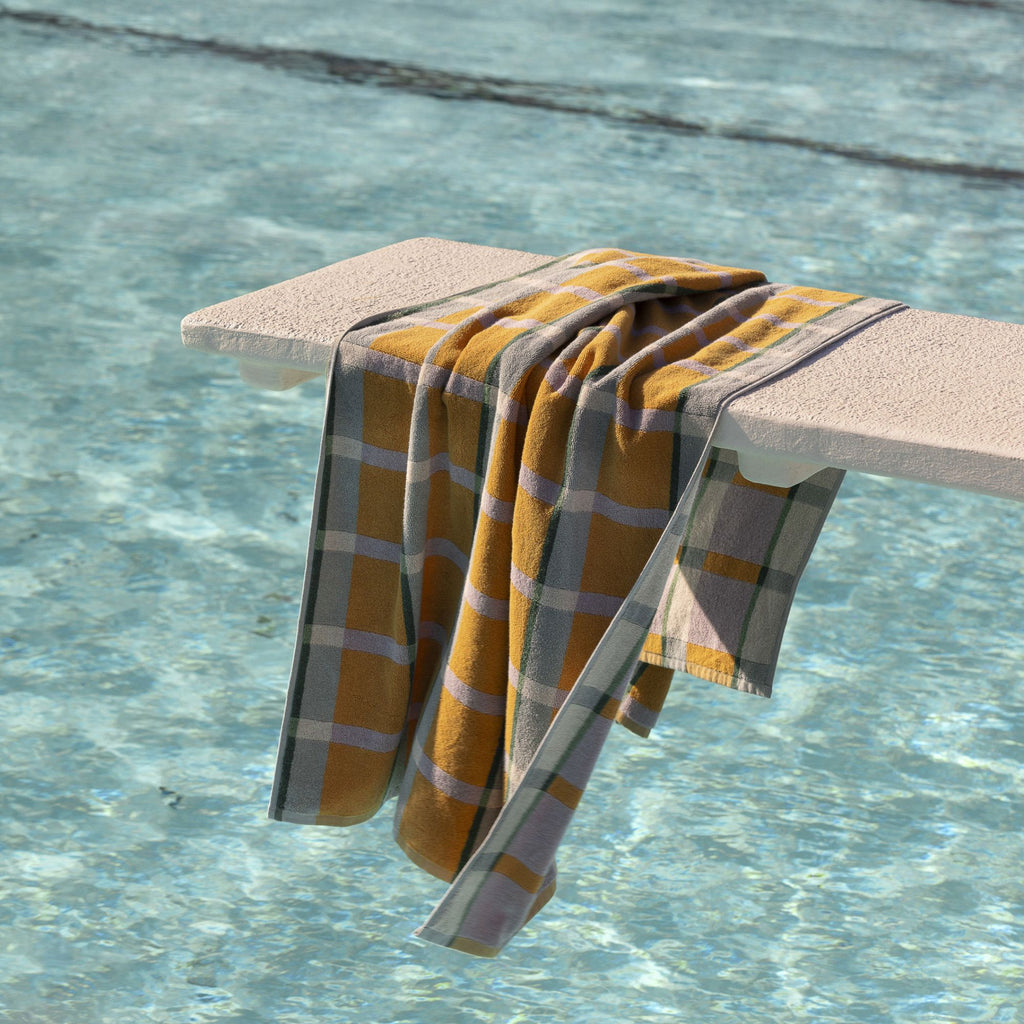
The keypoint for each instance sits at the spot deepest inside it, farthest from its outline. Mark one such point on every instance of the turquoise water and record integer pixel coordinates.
(849, 851)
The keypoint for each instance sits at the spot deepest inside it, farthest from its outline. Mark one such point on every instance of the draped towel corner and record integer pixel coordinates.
(520, 531)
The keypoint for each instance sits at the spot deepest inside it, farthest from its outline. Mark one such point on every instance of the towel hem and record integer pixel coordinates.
(734, 682)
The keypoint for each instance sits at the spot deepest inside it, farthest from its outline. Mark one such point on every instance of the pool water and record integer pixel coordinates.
(848, 851)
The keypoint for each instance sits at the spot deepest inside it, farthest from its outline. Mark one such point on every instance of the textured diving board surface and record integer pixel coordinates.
(947, 407)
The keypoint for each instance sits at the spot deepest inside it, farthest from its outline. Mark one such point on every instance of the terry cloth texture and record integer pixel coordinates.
(497, 568)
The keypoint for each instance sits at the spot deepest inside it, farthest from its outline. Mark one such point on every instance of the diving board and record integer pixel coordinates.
(948, 408)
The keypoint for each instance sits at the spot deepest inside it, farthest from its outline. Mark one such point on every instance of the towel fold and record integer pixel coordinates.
(520, 531)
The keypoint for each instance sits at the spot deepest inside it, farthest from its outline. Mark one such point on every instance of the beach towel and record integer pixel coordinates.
(520, 531)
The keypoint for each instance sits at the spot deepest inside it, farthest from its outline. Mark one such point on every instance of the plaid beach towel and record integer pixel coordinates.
(520, 531)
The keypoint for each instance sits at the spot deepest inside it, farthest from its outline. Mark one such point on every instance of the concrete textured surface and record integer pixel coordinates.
(922, 396)
(285, 334)
(919, 395)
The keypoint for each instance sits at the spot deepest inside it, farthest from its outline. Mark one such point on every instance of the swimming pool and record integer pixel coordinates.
(848, 851)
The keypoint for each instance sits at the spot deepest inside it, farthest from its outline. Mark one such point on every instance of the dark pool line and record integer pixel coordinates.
(449, 85)
(986, 5)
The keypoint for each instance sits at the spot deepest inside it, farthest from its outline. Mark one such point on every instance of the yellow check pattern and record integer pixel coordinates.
(497, 470)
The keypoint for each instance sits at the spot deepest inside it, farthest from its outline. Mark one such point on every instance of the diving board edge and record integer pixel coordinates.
(934, 397)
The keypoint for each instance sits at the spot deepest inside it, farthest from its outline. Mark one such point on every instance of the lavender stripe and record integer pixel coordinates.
(475, 700)
(442, 547)
(383, 364)
(358, 544)
(349, 735)
(420, 470)
(494, 508)
(490, 607)
(341, 637)
(429, 630)
(562, 599)
(649, 420)
(590, 501)
(367, 739)
(540, 693)
(451, 786)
